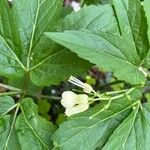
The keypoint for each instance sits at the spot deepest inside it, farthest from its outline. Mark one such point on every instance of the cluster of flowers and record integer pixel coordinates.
(74, 103)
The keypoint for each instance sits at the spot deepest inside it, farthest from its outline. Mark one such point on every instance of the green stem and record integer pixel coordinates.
(48, 97)
(10, 93)
(9, 87)
(94, 115)
(26, 84)
(115, 92)
(114, 97)
(111, 83)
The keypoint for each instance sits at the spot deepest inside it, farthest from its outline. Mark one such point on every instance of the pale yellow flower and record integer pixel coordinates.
(74, 103)
(76, 109)
(69, 99)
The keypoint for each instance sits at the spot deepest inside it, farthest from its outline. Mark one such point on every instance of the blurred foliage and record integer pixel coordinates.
(43, 108)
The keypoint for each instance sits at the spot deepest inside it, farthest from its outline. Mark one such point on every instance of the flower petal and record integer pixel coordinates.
(69, 99)
(76, 109)
(82, 99)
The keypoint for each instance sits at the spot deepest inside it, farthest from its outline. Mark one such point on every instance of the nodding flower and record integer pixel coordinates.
(86, 87)
(74, 103)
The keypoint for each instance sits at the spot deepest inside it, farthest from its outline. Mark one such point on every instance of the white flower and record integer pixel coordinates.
(74, 103)
(82, 99)
(76, 109)
(86, 87)
(69, 99)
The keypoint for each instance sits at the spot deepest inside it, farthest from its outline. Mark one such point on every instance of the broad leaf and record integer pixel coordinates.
(10, 55)
(120, 54)
(35, 17)
(92, 129)
(102, 51)
(24, 51)
(95, 18)
(7, 141)
(55, 65)
(33, 131)
(147, 12)
(6, 105)
(133, 26)
(133, 133)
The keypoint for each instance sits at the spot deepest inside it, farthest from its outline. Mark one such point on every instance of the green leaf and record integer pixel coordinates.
(102, 50)
(147, 61)
(10, 63)
(92, 128)
(147, 11)
(6, 104)
(133, 133)
(121, 54)
(56, 65)
(33, 130)
(133, 26)
(35, 17)
(13, 142)
(95, 18)
(43, 108)
(24, 51)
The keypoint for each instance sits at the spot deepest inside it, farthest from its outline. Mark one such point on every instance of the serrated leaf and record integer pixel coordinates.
(33, 131)
(133, 133)
(10, 55)
(119, 54)
(133, 26)
(102, 52)
(147, 12)
(25, 51)
(92, 128)
(13, 142)
(6, 104)
(56, 66)
(35, 17)
(95, 18)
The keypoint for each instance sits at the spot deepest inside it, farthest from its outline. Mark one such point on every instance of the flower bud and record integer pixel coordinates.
(86, 87)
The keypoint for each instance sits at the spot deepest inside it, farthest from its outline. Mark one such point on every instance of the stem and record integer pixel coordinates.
(114, 97)
(111, 83)
(9, 87)
(48, 97)
(115, 114)
(10, 93)
(115, 92)
(26, 84)
(12, 126)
